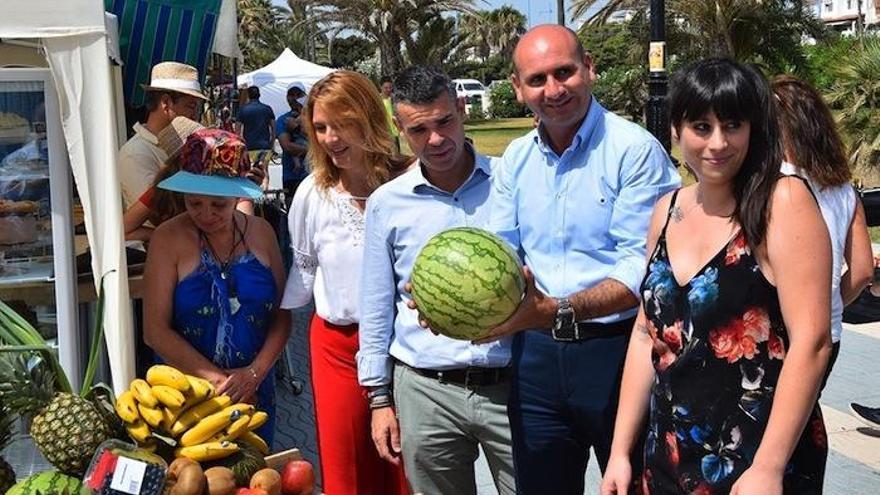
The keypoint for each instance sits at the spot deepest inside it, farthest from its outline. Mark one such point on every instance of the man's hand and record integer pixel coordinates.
(411, 304)
(256, 174)
(386, 435)
(536, 310)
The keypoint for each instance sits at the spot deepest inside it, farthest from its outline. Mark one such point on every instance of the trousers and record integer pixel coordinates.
(563, 401)
(350, 464)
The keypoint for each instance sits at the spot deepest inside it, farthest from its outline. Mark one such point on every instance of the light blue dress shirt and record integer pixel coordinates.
(582, 217)
(401, 216)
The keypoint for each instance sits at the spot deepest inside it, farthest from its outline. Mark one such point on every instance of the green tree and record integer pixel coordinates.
(764, 32)
(264, 30)
(391, 24)
(855, 95)
(350, 51)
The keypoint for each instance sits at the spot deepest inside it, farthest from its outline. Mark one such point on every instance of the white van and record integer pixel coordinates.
(471, 89)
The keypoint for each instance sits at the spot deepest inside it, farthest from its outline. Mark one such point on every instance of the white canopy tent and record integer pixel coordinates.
(283, 72)
(75, 41)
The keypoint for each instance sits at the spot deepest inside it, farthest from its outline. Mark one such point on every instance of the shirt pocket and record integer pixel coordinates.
(591, 215)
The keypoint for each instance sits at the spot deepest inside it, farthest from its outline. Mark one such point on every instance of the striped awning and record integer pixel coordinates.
(153, 31)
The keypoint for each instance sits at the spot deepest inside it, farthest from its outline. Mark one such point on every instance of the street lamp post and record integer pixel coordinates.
(656, 112)
(560, 12)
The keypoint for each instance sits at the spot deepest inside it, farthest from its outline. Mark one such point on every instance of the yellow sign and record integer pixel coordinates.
(656, 58)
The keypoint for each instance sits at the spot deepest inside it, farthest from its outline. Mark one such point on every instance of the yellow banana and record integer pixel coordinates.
(199, 389)
(208, 427)
(241, 407)
(143, 393)
(126, 407)
(237, 427)
(153, 417)
(138, 431)
(161, 374)
(169, 417)
(199, 412)
(258, 419)
(207, 451)
(253, 439)
(170, 397)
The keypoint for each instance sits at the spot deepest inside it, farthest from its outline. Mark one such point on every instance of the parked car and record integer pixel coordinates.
(472, 91)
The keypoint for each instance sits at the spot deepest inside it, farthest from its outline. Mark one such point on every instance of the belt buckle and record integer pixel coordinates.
(572, 337)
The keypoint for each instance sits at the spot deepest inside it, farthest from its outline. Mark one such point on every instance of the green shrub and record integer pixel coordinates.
(503, 102)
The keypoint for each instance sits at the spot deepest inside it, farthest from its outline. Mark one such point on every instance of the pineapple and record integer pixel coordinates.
(7, 475)
(67, 428)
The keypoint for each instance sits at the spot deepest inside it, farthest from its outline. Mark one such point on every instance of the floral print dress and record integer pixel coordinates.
(718, 346)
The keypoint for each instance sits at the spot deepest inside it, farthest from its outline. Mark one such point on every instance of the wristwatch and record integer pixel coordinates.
(564, 323)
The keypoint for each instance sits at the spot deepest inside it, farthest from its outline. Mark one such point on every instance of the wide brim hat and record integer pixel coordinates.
(176, 77)
(213, 162)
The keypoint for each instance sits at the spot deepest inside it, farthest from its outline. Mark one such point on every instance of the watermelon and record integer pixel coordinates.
(49, 482)
(466, 281)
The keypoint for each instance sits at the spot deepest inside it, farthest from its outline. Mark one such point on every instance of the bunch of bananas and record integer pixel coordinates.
(185, 408)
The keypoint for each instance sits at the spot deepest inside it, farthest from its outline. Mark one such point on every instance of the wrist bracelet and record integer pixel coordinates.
(380, 402)
(254, 373)
(380, 390)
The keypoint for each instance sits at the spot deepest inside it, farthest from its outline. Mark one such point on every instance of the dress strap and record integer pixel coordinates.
(669, 213)
(243, 234)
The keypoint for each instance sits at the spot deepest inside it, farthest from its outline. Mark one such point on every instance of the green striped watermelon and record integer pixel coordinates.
(466, 281)
(50, 482)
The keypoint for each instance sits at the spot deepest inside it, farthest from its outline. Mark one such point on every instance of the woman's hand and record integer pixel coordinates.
(618, 476)
(217, 378)
(758, 480)
(241, 384)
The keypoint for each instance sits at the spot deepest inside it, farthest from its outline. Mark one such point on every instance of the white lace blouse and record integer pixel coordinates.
(327, 238)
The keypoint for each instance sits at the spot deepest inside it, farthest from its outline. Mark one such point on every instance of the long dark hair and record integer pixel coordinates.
(735, 92)
(809, 133)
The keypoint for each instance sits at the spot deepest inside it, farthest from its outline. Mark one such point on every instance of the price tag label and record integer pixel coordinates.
(129, 475)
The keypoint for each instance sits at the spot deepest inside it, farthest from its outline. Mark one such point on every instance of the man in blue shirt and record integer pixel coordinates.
(574, 197)
(256, 123)
(294, 144)
(449, 396)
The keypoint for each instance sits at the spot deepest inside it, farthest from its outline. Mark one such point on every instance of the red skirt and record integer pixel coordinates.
(350, 463)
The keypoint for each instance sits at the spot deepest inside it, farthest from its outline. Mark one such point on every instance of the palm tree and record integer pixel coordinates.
(435, 42)
(476, 34)
(855, 96)
(388, 23)
(766, 32)
(264, 30)
(506, 25)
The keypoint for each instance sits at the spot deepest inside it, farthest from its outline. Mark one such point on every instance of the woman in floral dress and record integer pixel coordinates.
(731, 341)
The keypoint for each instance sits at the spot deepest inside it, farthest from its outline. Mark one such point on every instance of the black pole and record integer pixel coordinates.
(656, 112)
(560, 12)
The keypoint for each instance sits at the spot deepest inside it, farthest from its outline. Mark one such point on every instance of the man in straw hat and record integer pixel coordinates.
(174, 90)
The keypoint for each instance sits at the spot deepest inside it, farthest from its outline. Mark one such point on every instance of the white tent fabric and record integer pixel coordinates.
(226, 35)
(75, 38)
(283, 72)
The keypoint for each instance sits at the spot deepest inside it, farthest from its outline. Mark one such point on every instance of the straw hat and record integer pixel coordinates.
(214, 163)
(173, 136)
(177, 77)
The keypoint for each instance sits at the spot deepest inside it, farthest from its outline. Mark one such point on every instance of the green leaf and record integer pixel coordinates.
(97, 339)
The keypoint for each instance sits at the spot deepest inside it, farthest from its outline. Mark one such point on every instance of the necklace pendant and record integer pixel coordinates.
(234, 305)
(223, 275)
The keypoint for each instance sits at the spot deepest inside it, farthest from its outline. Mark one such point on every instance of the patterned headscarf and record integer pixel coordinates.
(215, 152)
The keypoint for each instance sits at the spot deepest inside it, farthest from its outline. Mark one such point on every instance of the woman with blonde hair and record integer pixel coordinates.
(351, 154)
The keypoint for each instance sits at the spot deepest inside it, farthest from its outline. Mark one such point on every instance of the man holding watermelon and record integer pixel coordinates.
(449, 396)
(574, 198)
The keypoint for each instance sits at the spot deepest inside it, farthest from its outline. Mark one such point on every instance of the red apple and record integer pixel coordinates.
(297, 478)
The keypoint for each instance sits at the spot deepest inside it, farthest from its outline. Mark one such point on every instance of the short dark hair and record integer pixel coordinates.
(385, 79)
(253, 93)
(154, 98)
(735, 92)
(419, 85)
(295, 89)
